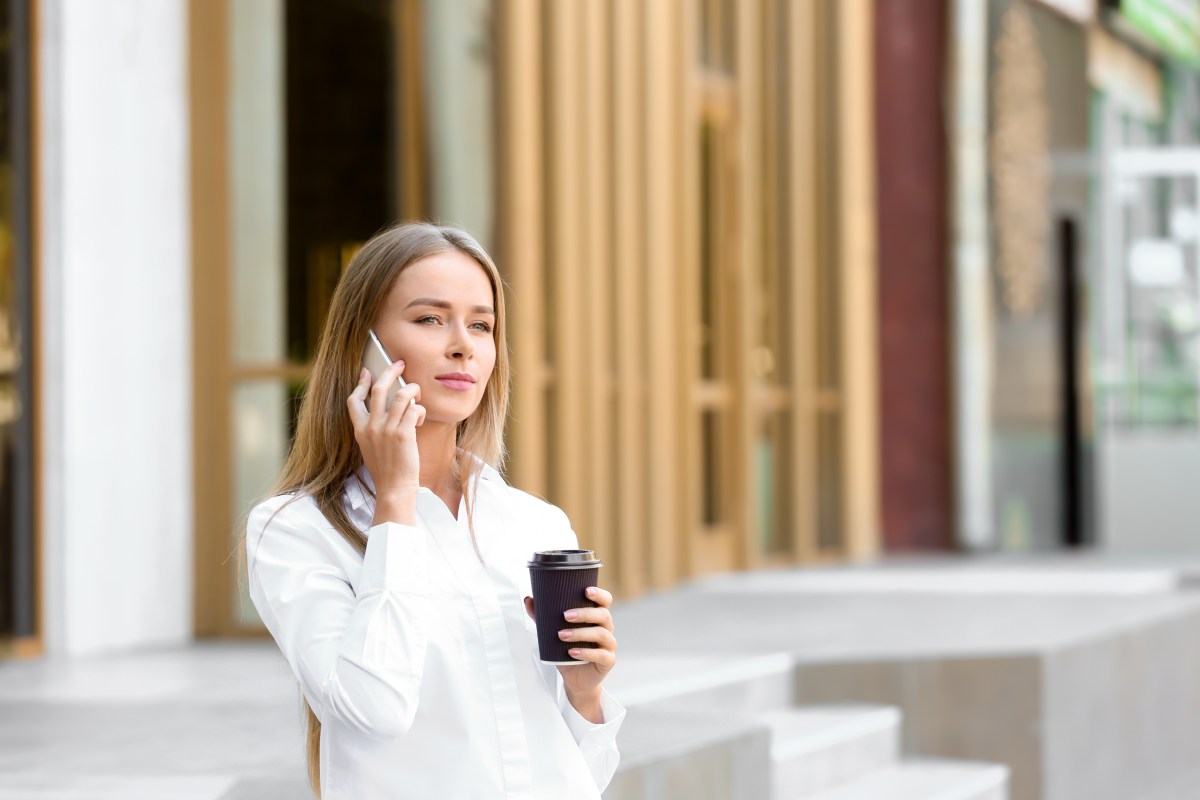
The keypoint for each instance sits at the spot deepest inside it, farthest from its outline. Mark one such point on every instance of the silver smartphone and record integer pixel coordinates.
(376, 360)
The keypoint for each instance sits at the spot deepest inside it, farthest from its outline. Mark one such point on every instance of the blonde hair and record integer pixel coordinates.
(324, 453)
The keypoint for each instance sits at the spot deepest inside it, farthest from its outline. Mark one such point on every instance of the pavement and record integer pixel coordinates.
(221, 720)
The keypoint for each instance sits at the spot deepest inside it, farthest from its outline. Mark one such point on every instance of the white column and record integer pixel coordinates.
(115, 402)
(971, 294)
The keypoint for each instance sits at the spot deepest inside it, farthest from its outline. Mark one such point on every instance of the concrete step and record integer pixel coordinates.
(700, 755)
(817, 748)
(753, 682)
(926, 779)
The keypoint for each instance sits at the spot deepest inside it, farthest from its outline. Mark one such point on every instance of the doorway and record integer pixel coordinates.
(1148, 338)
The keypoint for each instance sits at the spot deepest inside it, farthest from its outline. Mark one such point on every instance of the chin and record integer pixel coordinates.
(449, 416)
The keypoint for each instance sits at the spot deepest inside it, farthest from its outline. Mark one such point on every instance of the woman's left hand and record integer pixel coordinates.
(583, 680)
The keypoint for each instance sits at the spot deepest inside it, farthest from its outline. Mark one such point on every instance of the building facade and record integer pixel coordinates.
(680, 196)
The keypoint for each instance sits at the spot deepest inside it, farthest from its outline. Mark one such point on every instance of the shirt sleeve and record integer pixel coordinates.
(597, 741)
(358, 656)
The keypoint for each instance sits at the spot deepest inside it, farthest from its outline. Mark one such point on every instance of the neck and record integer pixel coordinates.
(435, 444)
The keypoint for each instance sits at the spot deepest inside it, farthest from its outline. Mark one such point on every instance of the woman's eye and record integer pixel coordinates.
(481, 326)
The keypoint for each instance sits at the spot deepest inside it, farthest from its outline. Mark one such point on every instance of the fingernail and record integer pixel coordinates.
(571, 614)
(564, 634)
(591, 591)
(574, 651)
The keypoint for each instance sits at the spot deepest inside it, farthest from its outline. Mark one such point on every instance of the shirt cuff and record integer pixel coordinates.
(395, 560)
(587, 732)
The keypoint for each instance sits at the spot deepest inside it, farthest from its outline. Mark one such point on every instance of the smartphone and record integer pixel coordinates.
(376, 360)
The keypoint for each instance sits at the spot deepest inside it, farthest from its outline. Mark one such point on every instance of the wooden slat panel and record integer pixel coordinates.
(628, 252)
(768, 431)
(693, 112)
(573, 325)
(597, 263)
(750, 253)
(802, 232)
(712, 395)
(408, 117)
(662, 82)
(858, 318)
(34, 646)
(208, 76)
(520, 232)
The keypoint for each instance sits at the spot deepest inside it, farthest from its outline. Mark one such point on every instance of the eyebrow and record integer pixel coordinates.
(433, 301)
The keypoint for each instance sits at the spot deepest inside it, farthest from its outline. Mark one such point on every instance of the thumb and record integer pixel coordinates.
(529, 607)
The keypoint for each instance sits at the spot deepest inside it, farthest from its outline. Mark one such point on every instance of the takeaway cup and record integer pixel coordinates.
(559, 579)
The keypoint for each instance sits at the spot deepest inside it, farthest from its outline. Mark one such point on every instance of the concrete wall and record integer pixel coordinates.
(1152, 504)
(114, 325)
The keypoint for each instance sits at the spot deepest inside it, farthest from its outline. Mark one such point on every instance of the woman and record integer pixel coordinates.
(390, 566)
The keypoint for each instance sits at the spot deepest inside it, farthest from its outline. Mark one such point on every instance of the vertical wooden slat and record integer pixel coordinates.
(766, 345)
(572, 322)
(597, 263)
(802, 233)
(858, 318)
(691, 467)
(411, 179)
(520, 231)
(35, 646)
(661, 80)
(208, 81)
(632, 337)
(750, 212)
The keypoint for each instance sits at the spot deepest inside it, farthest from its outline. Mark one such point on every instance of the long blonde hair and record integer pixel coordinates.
(324, 453)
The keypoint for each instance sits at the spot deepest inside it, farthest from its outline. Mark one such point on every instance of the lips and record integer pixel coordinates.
(459, 381)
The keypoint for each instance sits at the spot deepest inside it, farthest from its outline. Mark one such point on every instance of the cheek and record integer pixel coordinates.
(417, 350)
(490, 363)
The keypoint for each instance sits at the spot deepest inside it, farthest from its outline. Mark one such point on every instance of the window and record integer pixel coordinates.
(18, 569)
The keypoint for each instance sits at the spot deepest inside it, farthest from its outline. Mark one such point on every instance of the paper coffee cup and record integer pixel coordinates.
(560, 579)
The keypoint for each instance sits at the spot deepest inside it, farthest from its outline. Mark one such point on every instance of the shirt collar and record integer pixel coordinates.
(360, 488)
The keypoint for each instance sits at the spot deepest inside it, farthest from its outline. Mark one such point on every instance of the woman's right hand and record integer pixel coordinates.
(388, 441)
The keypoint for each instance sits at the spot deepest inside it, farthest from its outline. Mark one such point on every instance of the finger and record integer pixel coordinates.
(598, 616)
(529, 607)
(404, 398)
(357, 399)
(599, 596)
(601, 636)
(413, 416)
(603, 658)
(379, 393)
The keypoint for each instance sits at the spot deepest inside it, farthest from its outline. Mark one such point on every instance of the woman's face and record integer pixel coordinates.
(438, 318)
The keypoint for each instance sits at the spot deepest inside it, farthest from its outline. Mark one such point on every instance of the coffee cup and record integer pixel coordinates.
(560, 579)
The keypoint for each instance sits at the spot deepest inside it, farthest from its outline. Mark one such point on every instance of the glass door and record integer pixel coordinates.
(19, 607)
(311, 110)
(1148, 332)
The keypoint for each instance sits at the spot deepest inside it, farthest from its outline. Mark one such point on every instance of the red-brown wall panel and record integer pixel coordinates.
(911, 151)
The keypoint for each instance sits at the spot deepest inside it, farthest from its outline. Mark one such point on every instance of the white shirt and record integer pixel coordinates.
(420, 662)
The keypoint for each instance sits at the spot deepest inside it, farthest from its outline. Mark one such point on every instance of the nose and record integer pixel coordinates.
(460, 345)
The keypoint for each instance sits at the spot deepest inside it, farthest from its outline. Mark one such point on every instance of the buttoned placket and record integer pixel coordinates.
(453, 537)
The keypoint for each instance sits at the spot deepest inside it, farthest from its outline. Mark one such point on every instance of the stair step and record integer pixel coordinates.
(747, 683)
(668, 752)
(816, 748)
(926, 779)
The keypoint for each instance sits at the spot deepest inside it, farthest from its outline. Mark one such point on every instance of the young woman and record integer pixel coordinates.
(390, 566)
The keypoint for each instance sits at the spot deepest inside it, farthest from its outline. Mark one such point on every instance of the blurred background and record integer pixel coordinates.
(794, 284)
